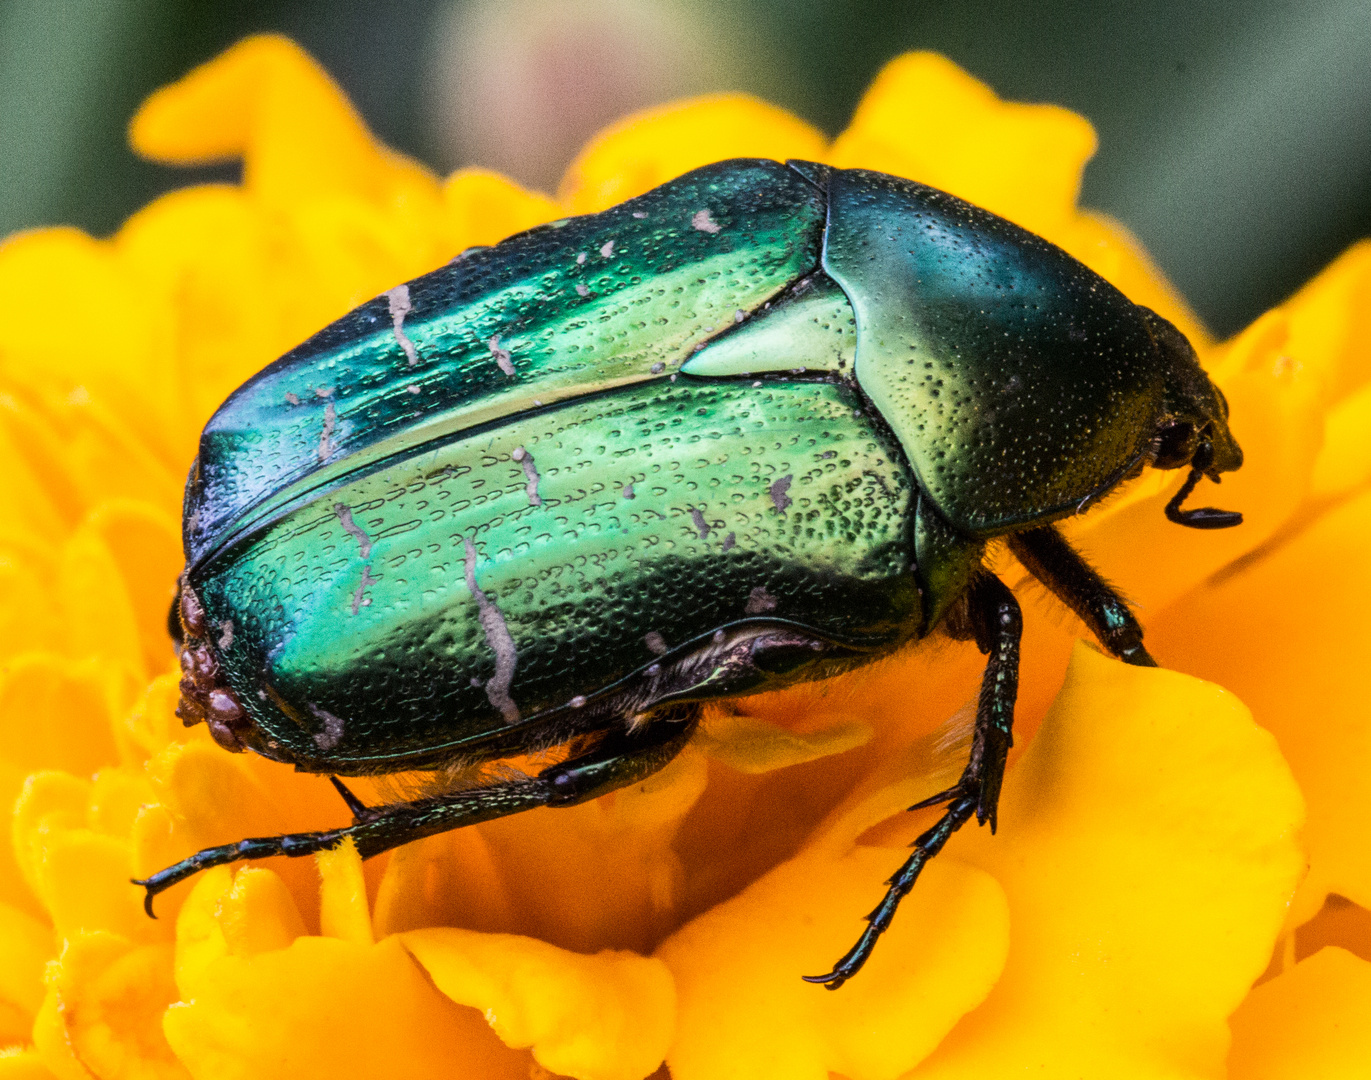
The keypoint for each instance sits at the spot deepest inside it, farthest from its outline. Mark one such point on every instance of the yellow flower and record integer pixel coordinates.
(1150, 864)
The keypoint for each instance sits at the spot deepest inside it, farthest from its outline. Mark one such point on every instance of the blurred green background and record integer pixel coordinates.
(1235, 140)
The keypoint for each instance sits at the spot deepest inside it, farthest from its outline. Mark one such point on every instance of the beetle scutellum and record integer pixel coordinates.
(755, 426)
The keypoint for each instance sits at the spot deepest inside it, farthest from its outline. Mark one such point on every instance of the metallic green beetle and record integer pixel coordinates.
(754, 426)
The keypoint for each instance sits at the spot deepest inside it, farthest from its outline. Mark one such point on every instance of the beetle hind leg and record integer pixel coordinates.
(998, 626)
(624, 756)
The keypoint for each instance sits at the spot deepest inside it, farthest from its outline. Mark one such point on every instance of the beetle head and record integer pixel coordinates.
(1193, 428)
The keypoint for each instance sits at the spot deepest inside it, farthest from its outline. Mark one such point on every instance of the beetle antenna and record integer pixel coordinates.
(1204, 517)
(355, 804)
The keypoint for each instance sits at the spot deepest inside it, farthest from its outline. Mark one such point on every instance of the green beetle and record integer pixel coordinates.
(755, 426)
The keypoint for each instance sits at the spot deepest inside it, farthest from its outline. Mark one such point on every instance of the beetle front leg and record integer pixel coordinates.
(625, 756)
(1049, 558)
(998, 626)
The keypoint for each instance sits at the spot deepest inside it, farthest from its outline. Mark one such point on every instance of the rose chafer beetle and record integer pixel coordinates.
(755, 426)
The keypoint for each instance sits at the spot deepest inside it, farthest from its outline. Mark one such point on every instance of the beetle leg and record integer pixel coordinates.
(355, 804)
(619, 759)
(1054, 562)
(998, 626)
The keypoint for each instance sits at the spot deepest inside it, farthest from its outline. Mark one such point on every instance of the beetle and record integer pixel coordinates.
(755, 426)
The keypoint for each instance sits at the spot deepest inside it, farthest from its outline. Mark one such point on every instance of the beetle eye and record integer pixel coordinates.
(1173, 445)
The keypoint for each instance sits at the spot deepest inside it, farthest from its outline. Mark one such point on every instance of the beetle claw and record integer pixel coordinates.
(147, 896)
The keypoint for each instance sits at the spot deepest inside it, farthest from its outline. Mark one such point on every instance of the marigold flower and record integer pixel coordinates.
(1151, 858)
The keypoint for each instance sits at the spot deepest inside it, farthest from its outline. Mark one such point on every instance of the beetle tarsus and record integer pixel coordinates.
(998, 623)
(925, 847)
(358, 808)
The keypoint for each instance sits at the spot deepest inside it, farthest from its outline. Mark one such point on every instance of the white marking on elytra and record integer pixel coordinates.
(352, 528)
(326, 437)
(759, 600)
(524, 458)
(225, 634)
(498, 638)
(628, 491)
(779, 499)
(398, 299)
(359, 599)
(581, 290)
(581, 259)
(608, 249)
(502, 356)
(730, 541)
(412, 388)
(704, 222)
(657, 368)
(701, 525)
(655, 642)
(332, 734)
(578, 702)
(639, 214)
(739, 315)
(292, 398)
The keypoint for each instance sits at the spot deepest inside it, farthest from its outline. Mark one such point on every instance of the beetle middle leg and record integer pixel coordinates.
(624, 756)
(997, 625)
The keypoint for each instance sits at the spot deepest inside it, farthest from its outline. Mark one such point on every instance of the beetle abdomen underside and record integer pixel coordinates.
(597, 535)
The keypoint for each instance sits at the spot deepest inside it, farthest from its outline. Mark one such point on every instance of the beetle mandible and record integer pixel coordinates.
(755, 426)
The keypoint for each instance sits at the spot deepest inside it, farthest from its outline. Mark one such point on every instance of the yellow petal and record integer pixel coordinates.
(482, 207)
(51, 1044)
(267, 101)
(1344, 461)
(1300, 680)
(343, 911)
(604, 1017)
(751, 745)
(927, 119)
(89, 581)
(231, 914)
(17, 1063)
(48, 803)
(111, 996)
(1339, 922)
(745, 1012)
(324, 1007)
(28, 620)
(73, 282)
(26, 945)
(649, 148)
(451, 879)
(1147, 847)
(605, 870)
(54, 714)
(210, 258)
(1310, 1022)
